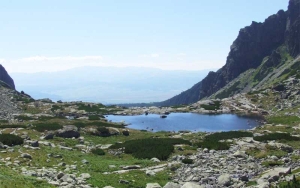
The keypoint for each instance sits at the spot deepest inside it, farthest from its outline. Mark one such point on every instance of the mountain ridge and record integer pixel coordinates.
(252, 45)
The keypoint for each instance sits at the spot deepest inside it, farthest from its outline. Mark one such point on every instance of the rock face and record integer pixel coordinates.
(4, 77)
(253, 43)
(69, 131)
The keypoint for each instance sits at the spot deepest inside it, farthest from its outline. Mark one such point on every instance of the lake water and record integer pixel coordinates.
(187, 121)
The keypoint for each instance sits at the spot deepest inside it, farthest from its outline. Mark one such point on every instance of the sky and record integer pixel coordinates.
(41, 35)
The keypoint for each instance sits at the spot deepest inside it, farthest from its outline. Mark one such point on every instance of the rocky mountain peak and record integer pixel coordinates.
(4, 77)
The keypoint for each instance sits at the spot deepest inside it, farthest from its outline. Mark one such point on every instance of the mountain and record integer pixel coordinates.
(277, 37)
(4, 77)
(109, 85)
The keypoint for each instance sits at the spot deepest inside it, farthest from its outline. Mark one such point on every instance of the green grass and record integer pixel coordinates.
(295, 183)
(286, 120)
(56, 107)
(229, 91)
(276, 136)
(10, 139)
(269, 151)
(25, 118)
(160, 148)
(41, 127)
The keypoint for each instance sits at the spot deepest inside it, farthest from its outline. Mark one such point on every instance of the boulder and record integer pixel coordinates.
(172, 185)
(224, 180)
(26, 156)
(191, 185)
(68, 131)
(49, 135)
(153, 185)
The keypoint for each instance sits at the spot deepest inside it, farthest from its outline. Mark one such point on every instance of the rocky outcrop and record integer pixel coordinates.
(253, 43)
(4, 77)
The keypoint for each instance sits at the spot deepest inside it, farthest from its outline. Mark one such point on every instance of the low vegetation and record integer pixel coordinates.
(41, 127)
(276, 136)
(227, 135)
(286, 120)
(10, 139)
(187, 161)
(98, 151)
(160, 148)
(215, 106)
(213, 145)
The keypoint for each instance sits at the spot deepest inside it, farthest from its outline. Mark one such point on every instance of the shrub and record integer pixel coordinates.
(103, 130)
(10, 139)
(215, 106)
(56, 107)
(3, 121)
(95, 117)
(98, 152)
(187, 161)
(213, 145)
(97, 124)
(271, 163)
(12, 126)
(227, 135)
(276, 136)
(41, 127)
(160, 148)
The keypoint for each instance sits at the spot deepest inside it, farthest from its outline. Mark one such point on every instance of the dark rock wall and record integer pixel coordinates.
(6, 78)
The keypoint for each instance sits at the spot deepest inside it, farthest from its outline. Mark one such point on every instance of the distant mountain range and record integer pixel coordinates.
(260, 47)
(107, 85)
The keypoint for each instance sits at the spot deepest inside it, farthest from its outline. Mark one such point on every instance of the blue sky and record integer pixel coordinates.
(56, 35)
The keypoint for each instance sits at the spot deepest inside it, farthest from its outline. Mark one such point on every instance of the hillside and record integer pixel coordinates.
(265, 46)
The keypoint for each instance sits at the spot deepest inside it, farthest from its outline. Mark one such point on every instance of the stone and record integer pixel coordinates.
(131, 167)
(172, 185)
(60, 175)
(68, 131)
(26, 156)
(224, 180)
(150, 173)
(156, 160)
(85, 176)
(123, 182)
(153, 185)
(49, 135)
(191, 185)
(240, 154)
(84, 161)
(35, 143)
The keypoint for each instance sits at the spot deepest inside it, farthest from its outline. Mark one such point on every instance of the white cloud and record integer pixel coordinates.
(154, 55)
(181, 54)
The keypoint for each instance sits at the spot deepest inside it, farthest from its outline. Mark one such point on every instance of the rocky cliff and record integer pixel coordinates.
(4, 77)
(252, 45)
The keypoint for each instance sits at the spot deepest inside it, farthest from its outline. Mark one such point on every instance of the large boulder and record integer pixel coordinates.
(224, 180)
(68, 131)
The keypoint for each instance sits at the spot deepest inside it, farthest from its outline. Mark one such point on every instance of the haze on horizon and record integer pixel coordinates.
(58, 35)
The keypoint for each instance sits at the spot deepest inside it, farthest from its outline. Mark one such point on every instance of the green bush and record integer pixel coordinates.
(97, 124)
(98, 152)
(56, 107)
(213, 145)
(41, 127)
(276, 136)
(160, 148)
(187, 161)
(95, 117)
(10, 139)
(227, 135)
